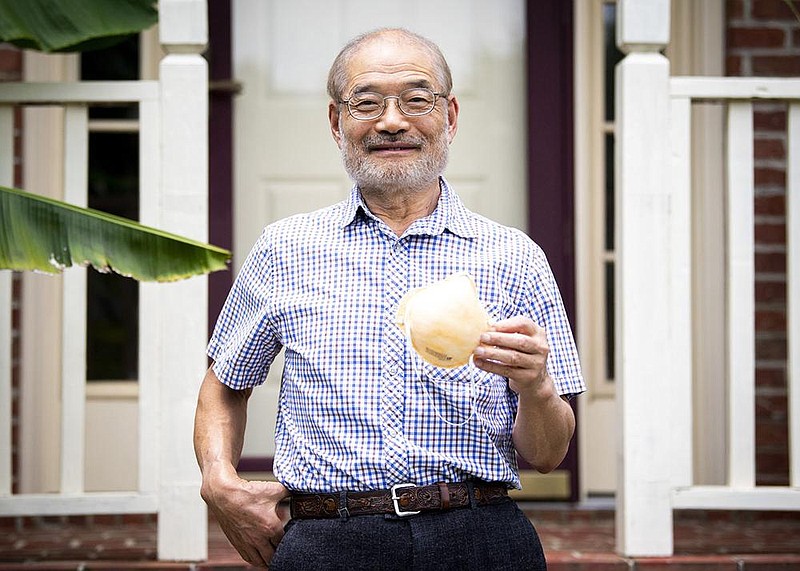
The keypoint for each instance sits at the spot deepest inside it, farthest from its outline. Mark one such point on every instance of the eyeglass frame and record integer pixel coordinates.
(436, 96)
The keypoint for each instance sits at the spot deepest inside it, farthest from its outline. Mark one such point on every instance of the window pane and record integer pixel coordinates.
(119, 62)
(113, 328)
(610, 369)
(113, 300)
(609, 192)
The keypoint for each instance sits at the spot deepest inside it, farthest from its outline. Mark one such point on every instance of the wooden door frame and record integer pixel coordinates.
(551, 193)
(222, 89)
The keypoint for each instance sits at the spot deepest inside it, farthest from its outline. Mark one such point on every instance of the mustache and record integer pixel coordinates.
(403, 139)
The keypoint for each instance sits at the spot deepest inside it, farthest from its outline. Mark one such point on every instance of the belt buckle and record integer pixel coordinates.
(396, 500)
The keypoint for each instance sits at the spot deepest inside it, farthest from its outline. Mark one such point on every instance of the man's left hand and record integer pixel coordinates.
(515, 348)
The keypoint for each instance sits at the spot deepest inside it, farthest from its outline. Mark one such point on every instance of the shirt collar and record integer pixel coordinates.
(450, 214)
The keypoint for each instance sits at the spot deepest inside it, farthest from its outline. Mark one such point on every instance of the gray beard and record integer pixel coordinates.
(385, 179)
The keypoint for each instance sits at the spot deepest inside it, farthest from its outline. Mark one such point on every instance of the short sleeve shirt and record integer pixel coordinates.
(358, 409)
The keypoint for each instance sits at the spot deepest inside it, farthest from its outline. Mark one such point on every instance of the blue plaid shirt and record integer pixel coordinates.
(358, 409)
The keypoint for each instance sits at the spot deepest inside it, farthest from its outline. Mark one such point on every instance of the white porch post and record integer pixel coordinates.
(6, 179)
(643, 299)
(183, 28)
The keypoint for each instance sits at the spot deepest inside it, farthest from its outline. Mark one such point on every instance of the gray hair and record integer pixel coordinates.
(337, 76)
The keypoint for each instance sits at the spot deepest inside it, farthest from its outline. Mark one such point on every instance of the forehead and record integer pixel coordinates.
(386, 63)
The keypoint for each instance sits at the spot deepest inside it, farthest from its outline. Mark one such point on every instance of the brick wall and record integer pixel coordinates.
(763, 39)
(11, 70)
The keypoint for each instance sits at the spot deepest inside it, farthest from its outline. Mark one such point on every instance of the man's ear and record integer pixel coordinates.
(452, 117)
(333, 119)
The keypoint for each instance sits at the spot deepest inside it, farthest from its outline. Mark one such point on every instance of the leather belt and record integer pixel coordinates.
(401, 500)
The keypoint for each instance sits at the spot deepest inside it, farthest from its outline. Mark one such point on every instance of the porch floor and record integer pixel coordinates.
(575, 538)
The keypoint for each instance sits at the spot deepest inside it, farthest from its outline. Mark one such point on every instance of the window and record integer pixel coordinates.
(598, 57)
(113, 300)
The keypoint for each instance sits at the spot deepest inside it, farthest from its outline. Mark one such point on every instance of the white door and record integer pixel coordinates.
(285, 159)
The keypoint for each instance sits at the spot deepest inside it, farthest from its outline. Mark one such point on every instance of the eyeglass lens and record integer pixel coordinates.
(369, 105)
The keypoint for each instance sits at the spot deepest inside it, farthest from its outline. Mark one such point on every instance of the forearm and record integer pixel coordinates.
(219, 427)
(543, 427)
(246, 511)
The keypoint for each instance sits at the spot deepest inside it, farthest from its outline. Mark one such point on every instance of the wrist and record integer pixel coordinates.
(218, 477)
(538, 393)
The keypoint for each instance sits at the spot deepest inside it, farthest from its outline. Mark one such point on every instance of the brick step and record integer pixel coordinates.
(611, 562)
(556, 562)
(575, 539)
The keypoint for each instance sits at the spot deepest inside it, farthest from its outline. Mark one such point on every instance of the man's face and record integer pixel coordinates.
(393, 152)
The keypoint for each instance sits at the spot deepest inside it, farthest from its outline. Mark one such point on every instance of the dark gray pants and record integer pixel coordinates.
(483, 538)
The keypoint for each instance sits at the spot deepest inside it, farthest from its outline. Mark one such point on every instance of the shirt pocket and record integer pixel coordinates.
(461, 393)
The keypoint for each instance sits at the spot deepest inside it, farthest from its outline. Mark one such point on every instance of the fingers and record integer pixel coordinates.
(518, 324)
(252, 521)
(256, 553)
(255, 549)
(515, 348)
(257, 557)
(512, 341)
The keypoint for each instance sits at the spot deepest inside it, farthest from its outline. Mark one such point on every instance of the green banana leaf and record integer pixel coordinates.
(42, 234)
(73, 25)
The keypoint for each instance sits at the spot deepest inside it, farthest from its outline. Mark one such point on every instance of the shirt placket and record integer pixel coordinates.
(393, 397)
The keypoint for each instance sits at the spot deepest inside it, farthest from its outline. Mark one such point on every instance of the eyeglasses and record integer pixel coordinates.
(411, 102)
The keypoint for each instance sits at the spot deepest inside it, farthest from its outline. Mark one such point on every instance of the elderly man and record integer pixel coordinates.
(388, 462)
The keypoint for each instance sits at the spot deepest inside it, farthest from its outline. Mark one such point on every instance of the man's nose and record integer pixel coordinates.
(392, 120)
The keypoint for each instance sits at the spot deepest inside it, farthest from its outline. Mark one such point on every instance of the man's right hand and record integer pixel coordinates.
(248, 514)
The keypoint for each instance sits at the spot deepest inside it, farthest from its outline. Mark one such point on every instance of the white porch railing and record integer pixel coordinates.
(653, 286)
(173, 196)
(173, 116)
(740, 491)
(75, 100)
(655, 300)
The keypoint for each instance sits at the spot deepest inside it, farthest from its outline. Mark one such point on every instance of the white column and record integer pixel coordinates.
(793, 294)
(73, 325)
(182, 522)
(6, 337)
(740, 296)
(644, 296)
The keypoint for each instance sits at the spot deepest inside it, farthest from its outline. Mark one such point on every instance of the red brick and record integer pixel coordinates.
(772, 262)
(775, 463)
(10, 61)
(771, 433)
(769, 120)
(766, 233)
(769, 176)
(8, 523)
(80, 520)
(771, 10)
(138, 519)
(770, 320)
(770, 479)
(771, 378)
(734, 9)
(769, 149)
(771, 406)
(105, 519)
(770, 349)
(770, 291)
(770, 205)
(733, 66)
(755, 38)
(776, 65)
